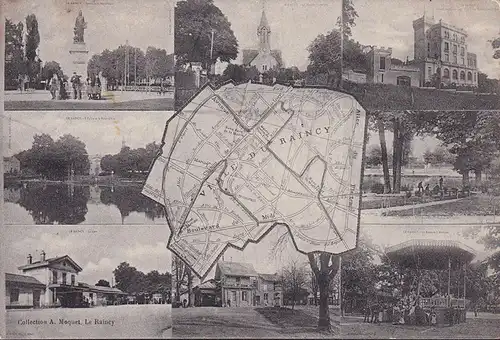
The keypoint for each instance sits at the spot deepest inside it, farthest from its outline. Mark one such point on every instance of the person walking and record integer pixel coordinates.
(54, 86)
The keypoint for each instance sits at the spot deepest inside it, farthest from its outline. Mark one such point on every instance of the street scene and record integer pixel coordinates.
(88, 282)
(80, 167)
(426, 282)
(87, 61)
(266, 290)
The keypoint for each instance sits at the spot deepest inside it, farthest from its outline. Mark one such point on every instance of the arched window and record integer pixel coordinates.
(462, 75)
(469, 76)
(446, 73)
(455, 74)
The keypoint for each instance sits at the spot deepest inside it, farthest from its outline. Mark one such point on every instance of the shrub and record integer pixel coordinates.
(377, 188)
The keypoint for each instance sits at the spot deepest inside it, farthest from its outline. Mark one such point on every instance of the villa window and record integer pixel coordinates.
(429, 71)
(382, 63)
(14, 295)
(72, 280)
(266, 297)
(463, 61)
(64, 278)
(54, 277)
(455, 59)
(462, 75)
(455, 74)
(446, 73)
(446, 47)
(462, 51)
(446, 57)
(469, 76)
(455, 49)
(244, 296)
(382, 77)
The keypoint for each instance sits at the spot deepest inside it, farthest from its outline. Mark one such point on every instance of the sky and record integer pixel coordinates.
(295, 24)
(389, 24)
(97, 249)
(101, 131)
(109, 24)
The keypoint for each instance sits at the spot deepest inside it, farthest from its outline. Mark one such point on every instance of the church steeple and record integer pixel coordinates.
(264, 33)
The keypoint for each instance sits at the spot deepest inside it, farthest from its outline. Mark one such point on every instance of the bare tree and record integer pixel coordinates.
(324, 267)
(294, 278)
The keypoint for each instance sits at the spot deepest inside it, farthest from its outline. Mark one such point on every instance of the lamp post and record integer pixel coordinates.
(212, 33)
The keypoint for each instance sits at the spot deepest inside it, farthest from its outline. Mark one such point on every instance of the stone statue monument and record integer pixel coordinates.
(80, 26)
(78, 51)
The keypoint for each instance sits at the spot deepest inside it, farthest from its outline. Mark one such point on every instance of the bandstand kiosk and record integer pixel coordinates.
(437, 255)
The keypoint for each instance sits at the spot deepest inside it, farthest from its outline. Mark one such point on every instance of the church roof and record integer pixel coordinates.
(250, 54)
(263, 20)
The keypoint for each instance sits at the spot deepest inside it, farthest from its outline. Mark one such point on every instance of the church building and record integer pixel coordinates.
(263, 58)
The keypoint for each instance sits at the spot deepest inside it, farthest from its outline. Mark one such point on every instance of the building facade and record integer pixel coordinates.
(441, 53)
(11, 165)
(239, 285)
(382, 71)
(52, 282)
(263, 58)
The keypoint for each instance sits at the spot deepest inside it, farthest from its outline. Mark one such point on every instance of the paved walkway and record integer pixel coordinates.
(408, 206)
(459, 220)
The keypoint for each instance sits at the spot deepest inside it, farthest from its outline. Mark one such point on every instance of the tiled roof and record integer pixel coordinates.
(210, 284)
(49, 261)
(237, 269)
(102, 289)
(22, 279)
(269, 277)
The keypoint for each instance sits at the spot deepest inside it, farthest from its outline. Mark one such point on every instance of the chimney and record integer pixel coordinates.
(42, 256)
(30, 259)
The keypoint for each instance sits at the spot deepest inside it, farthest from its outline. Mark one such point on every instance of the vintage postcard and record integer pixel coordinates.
(88, 55)
(80, 167)
(87, 282)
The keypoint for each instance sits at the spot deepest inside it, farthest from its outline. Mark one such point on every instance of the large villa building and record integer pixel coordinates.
(440, 56)
(52, 282)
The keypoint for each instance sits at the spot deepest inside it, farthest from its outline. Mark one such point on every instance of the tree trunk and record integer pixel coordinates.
(465, 178)
(397, 157)
(383, 149)
(478, 174)
(190, 288)
(324, 274)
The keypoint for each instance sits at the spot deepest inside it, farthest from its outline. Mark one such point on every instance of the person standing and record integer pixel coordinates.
(54, 86)
(441, 183)
(74, 83)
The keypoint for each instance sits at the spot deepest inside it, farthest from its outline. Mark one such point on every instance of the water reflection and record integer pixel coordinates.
(59, 203)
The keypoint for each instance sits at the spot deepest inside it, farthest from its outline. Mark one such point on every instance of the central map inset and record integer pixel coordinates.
(241, 159)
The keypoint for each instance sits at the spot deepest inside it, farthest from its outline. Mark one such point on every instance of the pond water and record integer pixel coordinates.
(61, 203)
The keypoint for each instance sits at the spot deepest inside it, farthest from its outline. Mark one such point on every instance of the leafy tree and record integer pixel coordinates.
(158, 63)
(194, 22)
(50, 68)
(487, 85)
(56, 160)
(495, 44)
(32, 42)
(102, 283)
(324, 57)
(294, 279)
(128, 160)
(440, 155)
(14, 53)
(349, 15)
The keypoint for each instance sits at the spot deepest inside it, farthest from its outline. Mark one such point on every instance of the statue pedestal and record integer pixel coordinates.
(79, 58)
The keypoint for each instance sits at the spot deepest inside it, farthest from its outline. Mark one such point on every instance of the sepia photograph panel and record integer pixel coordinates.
(87, 282)
(431, 55)
(89, 55)
(266, 290)
(80, 167)
(432, 167)
(426, 282)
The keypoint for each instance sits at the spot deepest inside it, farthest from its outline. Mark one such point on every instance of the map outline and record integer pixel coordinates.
(163, 143)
